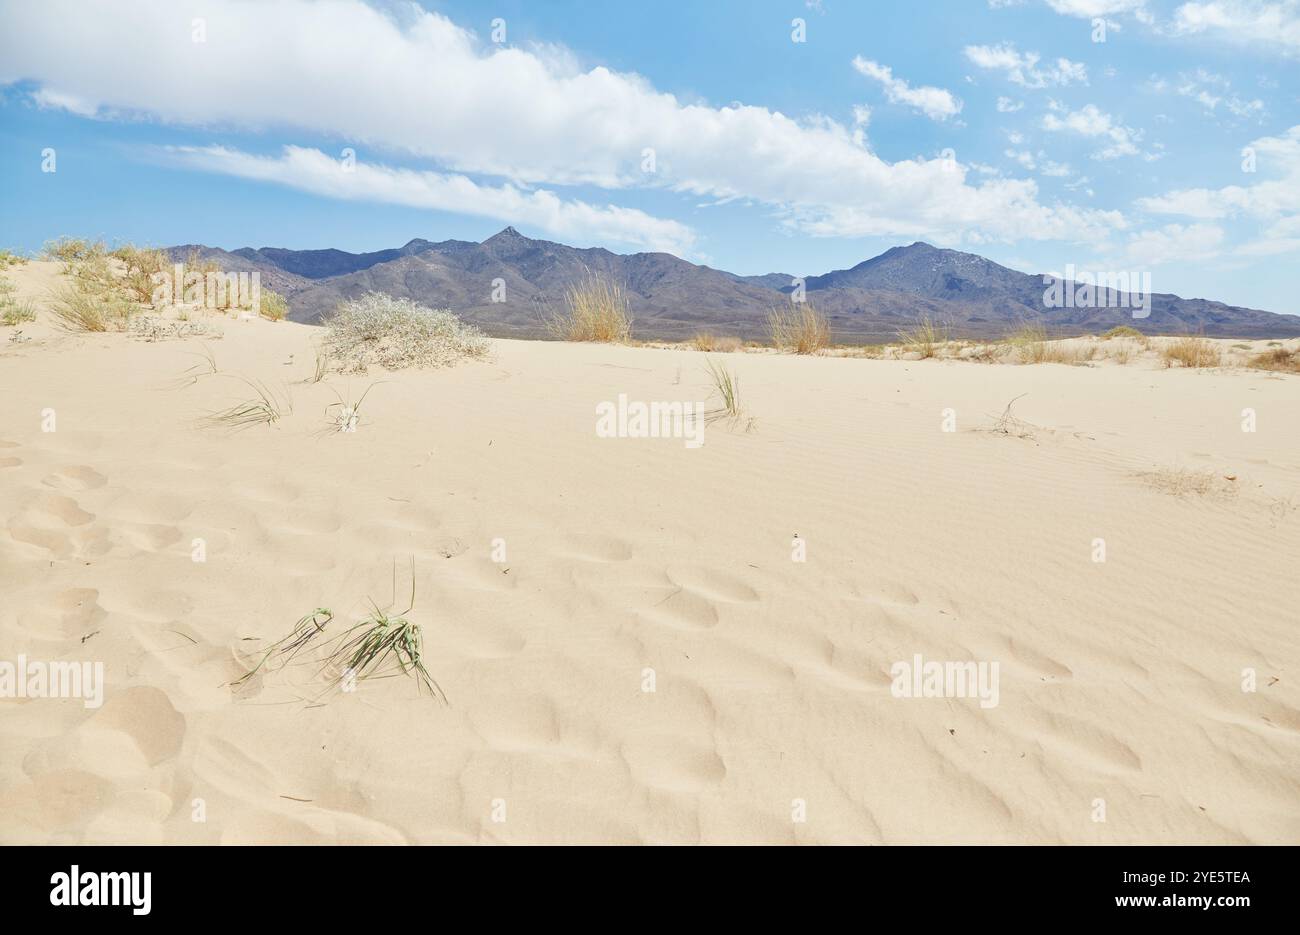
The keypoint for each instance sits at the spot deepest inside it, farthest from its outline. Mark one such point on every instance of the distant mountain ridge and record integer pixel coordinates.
(671, 298)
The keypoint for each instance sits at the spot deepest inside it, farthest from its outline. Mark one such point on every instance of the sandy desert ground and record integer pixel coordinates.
(772, 717)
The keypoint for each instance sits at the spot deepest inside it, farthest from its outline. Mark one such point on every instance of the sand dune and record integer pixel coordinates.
(772, 717)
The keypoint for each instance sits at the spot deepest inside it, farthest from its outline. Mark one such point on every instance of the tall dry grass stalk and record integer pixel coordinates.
(597, 310)
(925, 337)
(799, 328)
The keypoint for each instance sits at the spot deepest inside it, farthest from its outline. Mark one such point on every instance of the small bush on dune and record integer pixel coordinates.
(1279, 358)
(88, 306)
(1191, 351)
(597, 311)
(378, 329)
(1123, 331)
(799, 328)
(141, 266)
(9, 258)
(274, 307)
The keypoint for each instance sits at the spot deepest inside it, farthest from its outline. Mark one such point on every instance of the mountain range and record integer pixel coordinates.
(671, 298)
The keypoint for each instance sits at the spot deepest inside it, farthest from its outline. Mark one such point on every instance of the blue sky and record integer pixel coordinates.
(995, 126)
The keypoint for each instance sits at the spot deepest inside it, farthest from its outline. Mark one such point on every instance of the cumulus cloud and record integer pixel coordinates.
(1175, 243)
(1118, 140)
(1269, 22)
(313, 171)
(406, 82)
(935, 103)
(1022, 68)
(1274, 200)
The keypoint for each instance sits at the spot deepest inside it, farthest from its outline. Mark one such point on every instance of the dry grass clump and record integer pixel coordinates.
(73, 250)
(304, 631)
(273, 306)
(799, 328)
(1184, 482)
(1012, 425)
(13, 312)
(727, 388)
(265, 407)
(597, 311)
(1278, 358)
(1033, 346)
(1191, 351)
(91, 305)
(707, 341)
(378, 329)
(925, 337)
(9, 258)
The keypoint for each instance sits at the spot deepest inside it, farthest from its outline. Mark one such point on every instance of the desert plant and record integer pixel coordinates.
(704, 341)
(727, 388)
(925, 337)
(322, 366)
(1191, 351)
(91, 304)
(343, 415)
(308, 628)
(799, 327)
(1123, 331)
(378, 329)
(273, 306)
(265, 407)
(9, 258)
(15, 313)
(142, 266)
(385, 644)
(72, 250)
(596, 310)
(1278, 358)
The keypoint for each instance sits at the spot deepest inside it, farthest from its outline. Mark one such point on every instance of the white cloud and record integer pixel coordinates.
(410, 83)
(1210, 89)
(1007, 106)
(1277, 196)
(313, 171)
(1088, 9)
(935, 103)
(1262, 21)
(1089, 121)
(1022, 67)
(1175, 243)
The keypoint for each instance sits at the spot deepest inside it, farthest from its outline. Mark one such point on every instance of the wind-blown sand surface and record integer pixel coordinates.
(1120, 681)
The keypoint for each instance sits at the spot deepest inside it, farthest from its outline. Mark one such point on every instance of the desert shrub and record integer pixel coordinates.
(1123, 331)
(596, 310)
(13, 312)
(1279, 358)
(799, 328)
(1191, 351)
(378, 329)
(9, 258)
(274, 307)
(141, 265)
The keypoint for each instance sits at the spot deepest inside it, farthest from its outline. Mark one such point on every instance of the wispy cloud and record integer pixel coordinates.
(935, 103)
(311, 170)
(1023, 68)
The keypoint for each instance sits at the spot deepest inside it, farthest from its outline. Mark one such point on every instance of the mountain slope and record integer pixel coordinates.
(673, 298)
